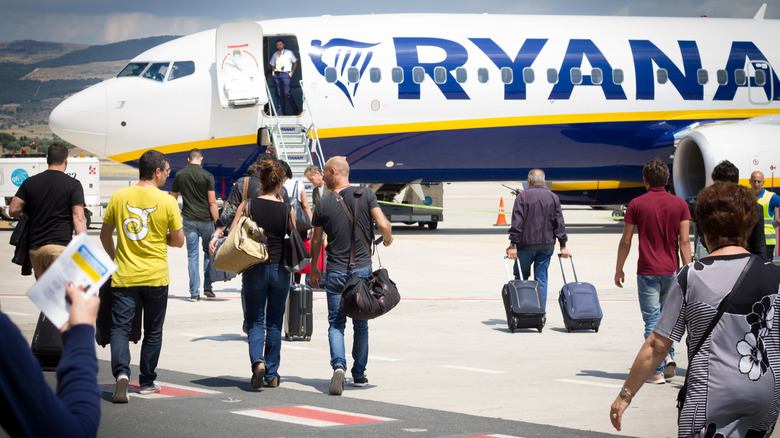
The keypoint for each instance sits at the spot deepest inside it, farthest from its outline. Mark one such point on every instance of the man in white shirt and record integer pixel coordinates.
(283, 64)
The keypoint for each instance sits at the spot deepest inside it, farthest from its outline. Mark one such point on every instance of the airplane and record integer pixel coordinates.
(418, 99)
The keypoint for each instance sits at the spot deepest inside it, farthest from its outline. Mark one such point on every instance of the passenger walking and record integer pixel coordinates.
(663, 222)
(146, 219)
(330, 218)
(727, 302)
(265, 286)
(537, 222)
(318, 190)
(199, 213)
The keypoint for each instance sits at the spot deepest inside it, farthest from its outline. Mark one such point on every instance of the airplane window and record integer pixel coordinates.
(507, 75)
(662, 75)
(353, 75)
(575, 75)
(181, 69)
(440, 75)
(760, 78)
(418, 75)
(596, 76)
(703, 76)
(723, 77)
(552, 75)
(157, 71)
(617, 76)
(482, 75)
(331, 76)
(739, 76)
(528, 75)
(133, 69)
(460, 75)
(397, 75)
(376, 74)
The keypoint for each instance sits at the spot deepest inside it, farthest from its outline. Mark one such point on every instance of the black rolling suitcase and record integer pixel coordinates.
(523, 303)
(579, 303)
(104, 320)
(46, 344)
(298, 315)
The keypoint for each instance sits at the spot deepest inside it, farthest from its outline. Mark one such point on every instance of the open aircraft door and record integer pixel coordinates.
(759, 82)
(239, 58)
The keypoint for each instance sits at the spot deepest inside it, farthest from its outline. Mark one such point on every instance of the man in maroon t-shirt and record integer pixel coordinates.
(662, 220)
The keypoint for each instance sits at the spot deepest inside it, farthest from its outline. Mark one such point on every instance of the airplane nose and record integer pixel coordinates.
(81, 119)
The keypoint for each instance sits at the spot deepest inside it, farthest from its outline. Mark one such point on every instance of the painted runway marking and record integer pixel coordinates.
(18, 314)
(313, 416)
(167, 390)
(476, 370)
(584, 382)
(287, 346)
(385, 359)
(491, 436)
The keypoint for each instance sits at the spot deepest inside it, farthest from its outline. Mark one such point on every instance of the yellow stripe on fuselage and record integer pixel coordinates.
(593, 185)
(449, 125)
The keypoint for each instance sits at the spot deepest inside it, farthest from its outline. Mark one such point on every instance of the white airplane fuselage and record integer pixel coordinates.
(465, 97)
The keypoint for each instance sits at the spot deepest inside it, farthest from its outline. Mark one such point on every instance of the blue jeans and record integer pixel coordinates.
(283, 94)
(154, 300)
(337, 321)
(541, 261)
(652, 294)
(265, 291)
(194, 230)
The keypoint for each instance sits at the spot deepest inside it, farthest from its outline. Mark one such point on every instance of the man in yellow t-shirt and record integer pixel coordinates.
(146, 219)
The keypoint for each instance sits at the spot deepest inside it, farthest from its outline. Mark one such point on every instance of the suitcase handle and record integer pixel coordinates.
(509, 275)
(572, 268)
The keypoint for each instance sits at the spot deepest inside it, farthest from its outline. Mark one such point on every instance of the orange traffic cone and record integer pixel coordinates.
(501, 219)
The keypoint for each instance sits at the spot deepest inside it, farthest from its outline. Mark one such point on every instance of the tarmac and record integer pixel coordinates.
(442, 364)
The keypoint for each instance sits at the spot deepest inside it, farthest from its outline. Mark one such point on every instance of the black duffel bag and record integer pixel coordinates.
(368, 299)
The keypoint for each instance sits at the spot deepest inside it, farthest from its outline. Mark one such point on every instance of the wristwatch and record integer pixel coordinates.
(626, 395)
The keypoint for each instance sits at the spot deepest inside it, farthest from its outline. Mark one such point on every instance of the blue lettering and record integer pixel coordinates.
(525, 57)
(577, 51)
(408, 58)
(740, 52)
(645, 53)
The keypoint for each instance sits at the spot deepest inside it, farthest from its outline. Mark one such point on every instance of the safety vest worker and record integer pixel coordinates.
(769, 202)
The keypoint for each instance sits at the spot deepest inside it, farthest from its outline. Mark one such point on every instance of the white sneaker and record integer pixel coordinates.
(120, 391)
(337, 382)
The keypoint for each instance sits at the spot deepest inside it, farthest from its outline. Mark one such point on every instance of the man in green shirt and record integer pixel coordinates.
(199, 212)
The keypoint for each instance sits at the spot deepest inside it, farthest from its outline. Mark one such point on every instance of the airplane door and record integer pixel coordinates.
(759, 82)
(239, 58)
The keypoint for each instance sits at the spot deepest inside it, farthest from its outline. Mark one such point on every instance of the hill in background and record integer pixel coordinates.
(35, 76)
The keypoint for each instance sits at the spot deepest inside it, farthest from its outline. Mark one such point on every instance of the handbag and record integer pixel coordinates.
(296, 256)
(302, 221)
(724, 303)
(374, 296)
(244, 247)
(214, 273)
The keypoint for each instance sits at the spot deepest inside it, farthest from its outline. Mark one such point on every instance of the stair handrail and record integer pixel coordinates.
(317, 149)
(277, 124)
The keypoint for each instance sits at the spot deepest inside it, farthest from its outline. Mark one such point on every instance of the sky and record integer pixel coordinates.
(108, 21)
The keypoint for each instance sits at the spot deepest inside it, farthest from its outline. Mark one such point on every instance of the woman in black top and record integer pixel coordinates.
(265, 286)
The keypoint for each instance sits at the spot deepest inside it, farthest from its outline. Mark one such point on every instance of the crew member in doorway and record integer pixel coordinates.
(283, 64)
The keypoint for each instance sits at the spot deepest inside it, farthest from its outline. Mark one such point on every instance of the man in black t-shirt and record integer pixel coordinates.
(330, 217)
(54, 203)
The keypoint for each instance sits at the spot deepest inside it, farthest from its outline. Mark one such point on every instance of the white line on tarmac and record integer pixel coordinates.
(584, 382)
(194, 335)
(385, 359)
(476, 370)
(287, 346)
(18, 314)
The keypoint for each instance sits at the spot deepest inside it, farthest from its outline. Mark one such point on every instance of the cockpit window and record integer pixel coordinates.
(157, 71)
(181, 69)
(133, 69)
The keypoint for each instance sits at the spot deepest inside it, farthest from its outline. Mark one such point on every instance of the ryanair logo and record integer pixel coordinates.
(341, 54)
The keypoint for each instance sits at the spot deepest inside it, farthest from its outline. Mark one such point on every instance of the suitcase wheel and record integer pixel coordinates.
(287, 337)
(541, 324)
(308, 338)
(512, 324)
(568, 329)
(596, 329)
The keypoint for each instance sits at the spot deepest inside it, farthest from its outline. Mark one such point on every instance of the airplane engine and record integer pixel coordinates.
(750, 144)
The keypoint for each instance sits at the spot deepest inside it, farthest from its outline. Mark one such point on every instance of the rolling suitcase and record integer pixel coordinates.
(579, 303)
(46, 344)
(104, 320)
(298, 315)
(523, 303)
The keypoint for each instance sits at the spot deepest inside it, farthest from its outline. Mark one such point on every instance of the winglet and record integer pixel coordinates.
(761, 12)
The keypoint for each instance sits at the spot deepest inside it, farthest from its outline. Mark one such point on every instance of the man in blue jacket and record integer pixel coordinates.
(537, 221)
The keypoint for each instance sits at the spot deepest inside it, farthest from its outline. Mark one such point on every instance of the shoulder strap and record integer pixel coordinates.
(246, 184)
